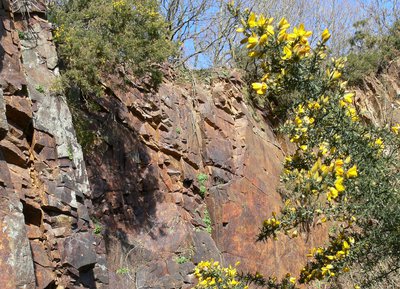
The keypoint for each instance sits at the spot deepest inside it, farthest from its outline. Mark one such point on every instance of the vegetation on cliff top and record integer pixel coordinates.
(371, 53)
(97, 37)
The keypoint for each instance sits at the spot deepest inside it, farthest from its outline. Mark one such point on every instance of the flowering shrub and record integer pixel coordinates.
(341, 171)
(212, 275)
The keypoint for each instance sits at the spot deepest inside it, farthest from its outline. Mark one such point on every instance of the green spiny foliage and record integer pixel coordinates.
(182, 259)
(39, 88)
(94, 37)
(122, 271)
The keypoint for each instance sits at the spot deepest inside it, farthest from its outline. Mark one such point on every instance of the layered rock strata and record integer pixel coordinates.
(185, 174)
(171, 177)
(45, 235)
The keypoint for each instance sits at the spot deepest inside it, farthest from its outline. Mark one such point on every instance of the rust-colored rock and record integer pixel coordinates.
(378, 99)
(147, 193)
(77, 250)
(165, 165)
(43, 183)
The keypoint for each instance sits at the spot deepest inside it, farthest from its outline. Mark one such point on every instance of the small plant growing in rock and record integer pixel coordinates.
(122, 271)
(97, 229)
(97, 226)
(39, 88)
(178, 130)
(182, 259)
(202, 178)
(207, 221)
(70, 153)
(21, 34)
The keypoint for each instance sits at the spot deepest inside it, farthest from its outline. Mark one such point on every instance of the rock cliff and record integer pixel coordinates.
(176, 176)
(184, 174)
(378, 98)
(45, 236)
(172, 177)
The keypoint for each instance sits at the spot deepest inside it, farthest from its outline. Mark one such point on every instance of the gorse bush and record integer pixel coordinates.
(94, 37)
(212, 275)
(342, 172)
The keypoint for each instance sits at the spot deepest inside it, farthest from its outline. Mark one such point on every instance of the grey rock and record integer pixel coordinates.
(3, 118)
(19, 255)
(100, 270)
(205, 247)
(78, 251)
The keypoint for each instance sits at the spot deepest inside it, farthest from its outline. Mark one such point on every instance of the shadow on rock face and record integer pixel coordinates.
(124, 185)
(125, 191)
(123, 180)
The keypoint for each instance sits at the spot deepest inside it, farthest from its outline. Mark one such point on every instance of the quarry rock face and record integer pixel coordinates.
(378, 98)
(172, 177)
(46, 240)
(182, 175)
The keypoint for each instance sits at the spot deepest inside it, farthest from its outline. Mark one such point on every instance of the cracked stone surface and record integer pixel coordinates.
(44, 189)
(124, 214)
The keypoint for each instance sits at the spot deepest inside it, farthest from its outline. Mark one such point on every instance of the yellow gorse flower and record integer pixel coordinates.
(348, 97)
(301, 32)
(339, 163)
(396, 128)
(263, 39)
(252, 41)
(339, 184)
(352, 172)
(260, 88)
(325, 35)
(283, 24)
(334, 75)
(332, 194)
(252, 20)
(379, 143)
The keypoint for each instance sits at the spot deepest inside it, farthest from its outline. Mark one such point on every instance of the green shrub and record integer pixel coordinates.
(371, 53)
(39, 88)
(95, 37)
(97, 229)
(21, 35)
(342, 170)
